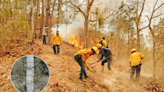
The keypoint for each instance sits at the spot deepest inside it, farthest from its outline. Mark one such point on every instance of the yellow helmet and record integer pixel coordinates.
(133, 50)
(95, 49)
(99, 46)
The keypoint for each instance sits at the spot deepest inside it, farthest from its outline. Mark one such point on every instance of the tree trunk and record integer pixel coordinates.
(131, 38)
(30, 73)
(154, 57)
(128, 43)
(58, 14)
(118, 38)
(32, 20)
(51, 16)
(42, 21)
(47, 12)
(86, 32)
(26, 17)
(36, 19)
(138, 39)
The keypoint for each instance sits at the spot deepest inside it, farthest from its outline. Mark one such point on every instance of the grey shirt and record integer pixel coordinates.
(105, 52)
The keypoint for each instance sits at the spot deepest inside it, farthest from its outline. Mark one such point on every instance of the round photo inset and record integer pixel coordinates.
(30, 74)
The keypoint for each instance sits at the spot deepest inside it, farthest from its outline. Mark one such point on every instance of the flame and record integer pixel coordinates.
(91, 40)
(73, 39)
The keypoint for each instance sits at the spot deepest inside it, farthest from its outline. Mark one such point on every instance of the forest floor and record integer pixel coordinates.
(64, 72)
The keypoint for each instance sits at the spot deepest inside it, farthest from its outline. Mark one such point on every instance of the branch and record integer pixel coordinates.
(159, 7)
(77, 8)
(89, 7)
(143, 5)
(103, 18)
(153, 10)
(90, 4)
(144, 27)
(157, 15)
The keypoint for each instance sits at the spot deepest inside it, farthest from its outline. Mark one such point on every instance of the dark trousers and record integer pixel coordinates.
(81, 63)
(58, 48)
(109, 63)
(44, 39)
(136, 69)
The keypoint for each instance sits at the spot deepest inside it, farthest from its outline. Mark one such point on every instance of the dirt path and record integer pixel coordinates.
(64, 73)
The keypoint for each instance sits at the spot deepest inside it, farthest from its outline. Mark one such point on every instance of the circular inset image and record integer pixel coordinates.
(30, 74)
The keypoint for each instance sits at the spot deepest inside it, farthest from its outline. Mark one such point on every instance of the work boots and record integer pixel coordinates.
(82, 80)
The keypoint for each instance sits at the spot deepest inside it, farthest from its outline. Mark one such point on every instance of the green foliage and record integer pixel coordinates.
(20, 88)
(13, 22)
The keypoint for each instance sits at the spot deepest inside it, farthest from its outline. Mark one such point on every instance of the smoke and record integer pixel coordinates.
(78, 22)
(71, 28)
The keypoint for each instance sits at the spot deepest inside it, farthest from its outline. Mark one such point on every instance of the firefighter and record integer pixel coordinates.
(57, 41)
(135, 63)
(103, 42)
(105, 52)
(44, 34)
(81, 57)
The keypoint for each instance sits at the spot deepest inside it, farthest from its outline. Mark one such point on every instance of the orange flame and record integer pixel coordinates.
(91, 40)
(73, 39)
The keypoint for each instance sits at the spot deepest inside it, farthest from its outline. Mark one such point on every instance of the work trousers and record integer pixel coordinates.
(109, 63)
(136, 69)
(81, 63)
(44, 39)
(58, 48)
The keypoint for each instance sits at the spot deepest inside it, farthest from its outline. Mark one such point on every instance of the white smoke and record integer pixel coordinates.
(79, 20)
(71, 28)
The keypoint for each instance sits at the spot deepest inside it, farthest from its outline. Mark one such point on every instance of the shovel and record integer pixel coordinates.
(101, 60)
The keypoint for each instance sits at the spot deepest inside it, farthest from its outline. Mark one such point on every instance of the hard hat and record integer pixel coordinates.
(133, 50)
(99, 46)
(95, 49)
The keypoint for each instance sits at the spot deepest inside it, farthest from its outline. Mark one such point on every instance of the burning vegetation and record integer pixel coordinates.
(76, 41)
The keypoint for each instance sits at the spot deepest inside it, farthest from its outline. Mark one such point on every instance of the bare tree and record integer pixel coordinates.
(85, 14)
(152, 16)
(138, 20)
